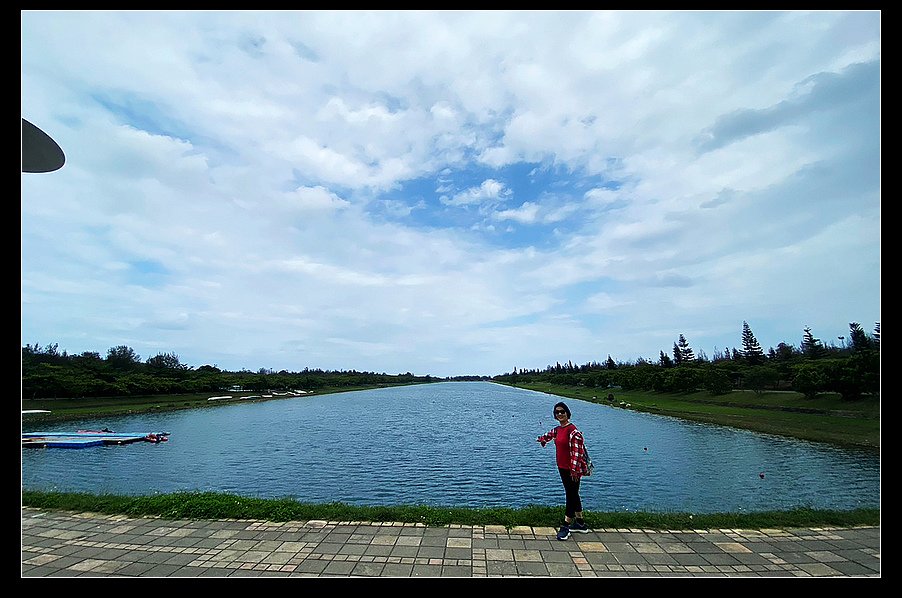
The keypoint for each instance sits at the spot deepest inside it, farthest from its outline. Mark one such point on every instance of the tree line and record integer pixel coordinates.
(48, 373)
(813, 368)
(852, 370)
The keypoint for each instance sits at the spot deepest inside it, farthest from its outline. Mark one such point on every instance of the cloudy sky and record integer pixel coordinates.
(449, 193)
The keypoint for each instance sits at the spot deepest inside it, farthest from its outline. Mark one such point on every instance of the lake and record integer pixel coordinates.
(465, 444)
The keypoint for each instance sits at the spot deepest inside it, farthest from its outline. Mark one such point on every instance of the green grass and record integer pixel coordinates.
(211, 505)
(826, 419)
(84, 407)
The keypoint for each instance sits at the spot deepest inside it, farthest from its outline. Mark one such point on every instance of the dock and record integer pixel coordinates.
(85, 439)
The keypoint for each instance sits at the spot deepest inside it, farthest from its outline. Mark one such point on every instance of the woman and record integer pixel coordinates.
(568, 442)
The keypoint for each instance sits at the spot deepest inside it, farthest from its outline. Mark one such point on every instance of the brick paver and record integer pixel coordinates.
(62, 544)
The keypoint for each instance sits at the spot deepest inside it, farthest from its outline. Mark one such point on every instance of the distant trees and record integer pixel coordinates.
(783, 352)
(665, 361)
(812, 347)
(166, 361)
(860, 374)
(761, 378)
(809, 380)
(122, 357)
(717, 382)
(812, 369)
(859, 339)
(752, 351)
(852, 371)
(682, 352)
(48, 373)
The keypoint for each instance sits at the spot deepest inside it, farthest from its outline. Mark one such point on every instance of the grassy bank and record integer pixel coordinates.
(209, 505)
(825, 419)
(98, 407)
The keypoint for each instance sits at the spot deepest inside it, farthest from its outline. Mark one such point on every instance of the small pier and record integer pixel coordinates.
(85, 438)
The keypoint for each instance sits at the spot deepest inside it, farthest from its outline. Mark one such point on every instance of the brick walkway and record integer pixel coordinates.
(60, 544)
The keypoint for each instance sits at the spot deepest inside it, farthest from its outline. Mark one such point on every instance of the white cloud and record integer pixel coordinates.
(377, 190)
(489, 191)
(316, 198)
(525, 214)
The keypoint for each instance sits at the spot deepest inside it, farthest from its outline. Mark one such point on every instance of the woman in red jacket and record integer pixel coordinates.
(568, 442)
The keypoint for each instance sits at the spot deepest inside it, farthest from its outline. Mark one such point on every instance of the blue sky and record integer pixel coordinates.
(449, 193)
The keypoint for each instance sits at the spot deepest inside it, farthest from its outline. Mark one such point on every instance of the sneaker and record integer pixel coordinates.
(564, 533)
(579, 526)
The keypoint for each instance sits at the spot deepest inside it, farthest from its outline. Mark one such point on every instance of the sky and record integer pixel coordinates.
(449, 193)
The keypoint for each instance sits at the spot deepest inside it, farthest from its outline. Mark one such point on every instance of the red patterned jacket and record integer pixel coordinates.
(569, 444)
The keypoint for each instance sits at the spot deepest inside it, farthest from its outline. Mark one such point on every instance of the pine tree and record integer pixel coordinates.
(859, 338)
(677, 356)
(812, 347)
(754, 355)
(686, 354)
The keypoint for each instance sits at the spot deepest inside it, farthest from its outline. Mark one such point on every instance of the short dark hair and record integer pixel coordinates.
(562, 405)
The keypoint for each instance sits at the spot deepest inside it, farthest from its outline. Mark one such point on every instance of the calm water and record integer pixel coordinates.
(455, 444)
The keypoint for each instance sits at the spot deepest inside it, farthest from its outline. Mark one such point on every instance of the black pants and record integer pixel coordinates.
(571, 488)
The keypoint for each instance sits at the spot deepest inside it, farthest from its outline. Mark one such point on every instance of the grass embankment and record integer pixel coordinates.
(96, 407)
(209, 505)
(826, 419)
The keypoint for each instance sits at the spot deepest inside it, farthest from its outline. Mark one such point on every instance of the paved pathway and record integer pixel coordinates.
(65, 544)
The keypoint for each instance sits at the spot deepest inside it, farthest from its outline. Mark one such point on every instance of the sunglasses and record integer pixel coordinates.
(556, 412)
